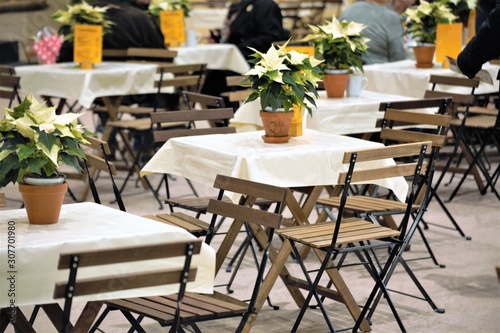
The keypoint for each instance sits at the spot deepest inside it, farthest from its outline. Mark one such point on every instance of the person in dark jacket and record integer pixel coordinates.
(254, 23)
(249, 23)
(132, 28)
(484, 46)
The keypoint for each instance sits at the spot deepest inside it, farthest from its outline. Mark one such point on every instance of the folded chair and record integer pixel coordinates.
(74, 262)
(9, 86)
(197, 308)
(356, 234)
(473, 128)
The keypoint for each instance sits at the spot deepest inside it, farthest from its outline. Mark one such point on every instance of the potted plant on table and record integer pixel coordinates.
(421, 24)
(282, 80)
(342, 46)
(81, 13)
(34, 142)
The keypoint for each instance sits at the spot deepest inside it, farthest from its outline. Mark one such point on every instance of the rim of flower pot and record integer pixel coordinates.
(37, 180)
(270, 109)
(336, 71)
(424, 44)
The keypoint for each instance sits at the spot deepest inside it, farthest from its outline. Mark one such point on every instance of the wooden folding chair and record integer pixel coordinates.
(9, 86)
(74, 287)
(147, 55)
(98, 161)
(355, 234)
(473, 128)
(197, 308)
(162, 132)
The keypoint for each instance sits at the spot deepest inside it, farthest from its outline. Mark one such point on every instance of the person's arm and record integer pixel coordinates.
(395, 47)
(484, 46)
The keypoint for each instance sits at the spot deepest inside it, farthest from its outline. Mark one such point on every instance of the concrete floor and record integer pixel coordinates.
(467, 288)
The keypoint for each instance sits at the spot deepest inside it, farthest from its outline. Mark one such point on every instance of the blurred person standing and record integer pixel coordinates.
(383, 28)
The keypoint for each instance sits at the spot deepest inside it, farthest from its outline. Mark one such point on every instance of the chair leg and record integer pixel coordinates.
(99, 320)
(312, 291)
(135, 324)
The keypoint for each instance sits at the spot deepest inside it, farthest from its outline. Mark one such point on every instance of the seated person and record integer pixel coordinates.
(254, 23)
(383, 28)
(132, 28)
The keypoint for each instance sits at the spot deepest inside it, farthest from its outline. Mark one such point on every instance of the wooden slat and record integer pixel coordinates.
(248, 214)
(100, 163)
(400, 170)
(395, 151)
(417, 117)
(438, 140)
(111, 256)
(250, 188)
(127, 281)
(2, 200)
(454, 81)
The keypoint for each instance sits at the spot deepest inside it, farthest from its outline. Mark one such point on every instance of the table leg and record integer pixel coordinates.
(87, 317)
(301, 215)
(112, 106)
(20, 322)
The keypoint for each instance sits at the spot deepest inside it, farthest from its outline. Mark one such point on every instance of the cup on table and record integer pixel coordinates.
(191, 37)
(355, 85)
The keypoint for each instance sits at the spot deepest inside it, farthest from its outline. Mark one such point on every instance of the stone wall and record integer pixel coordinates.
(23, 26)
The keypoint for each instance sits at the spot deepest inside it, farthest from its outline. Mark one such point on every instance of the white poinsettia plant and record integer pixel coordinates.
(340, 43)
(156, 6)
(422, 20)
(35, 141)
(283, 79)
(81, 13)
(460, 8)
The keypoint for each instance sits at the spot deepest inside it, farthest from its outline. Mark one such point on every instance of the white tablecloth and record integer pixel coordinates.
(349, 115)
(67, 80)
(404, 79)
(314, 158)
(88, 226)
(216, 56)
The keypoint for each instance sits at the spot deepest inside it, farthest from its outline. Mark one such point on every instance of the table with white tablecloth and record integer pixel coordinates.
(404, 79)
(216, 56)
(81, 227)
(347, 115)
(68, 81)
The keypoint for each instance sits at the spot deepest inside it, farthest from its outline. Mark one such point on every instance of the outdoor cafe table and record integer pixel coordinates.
(109, 81)
(311, 161)
(84, 226)
(404, 79)
(216, 56)
(68, 81)
(346, 115)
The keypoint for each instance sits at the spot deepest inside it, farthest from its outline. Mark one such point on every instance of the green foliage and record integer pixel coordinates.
(340, 43)
(283, 79)
(422, 20)
(35, 141)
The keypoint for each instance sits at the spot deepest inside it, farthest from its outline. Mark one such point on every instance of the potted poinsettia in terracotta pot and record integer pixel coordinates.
(34, 142)
(421, 25)
(342, 46)
(282, 80)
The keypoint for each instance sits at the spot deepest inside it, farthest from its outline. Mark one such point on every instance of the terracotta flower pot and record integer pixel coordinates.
(335, 82)
(276, 125)
(43, 202)
(424, 55)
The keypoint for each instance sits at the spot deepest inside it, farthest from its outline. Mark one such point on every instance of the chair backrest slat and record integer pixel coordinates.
(159, 119)
(399, 170)
(2, 200)
(248, 214)
(394, 151)
(246, 187)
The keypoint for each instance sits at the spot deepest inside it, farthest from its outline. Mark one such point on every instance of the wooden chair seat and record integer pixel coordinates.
(194, 307)
(195, 226)
(2, 200)
(366, 204)
(476, 122)
(478, 110)
(351, 230)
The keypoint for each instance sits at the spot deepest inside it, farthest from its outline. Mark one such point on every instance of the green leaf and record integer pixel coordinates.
(46, 139)
(21, 109)
(25, 151)
(71, 161)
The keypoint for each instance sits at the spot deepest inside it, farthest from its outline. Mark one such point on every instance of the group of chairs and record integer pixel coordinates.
(359, 234)
(358, 219)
